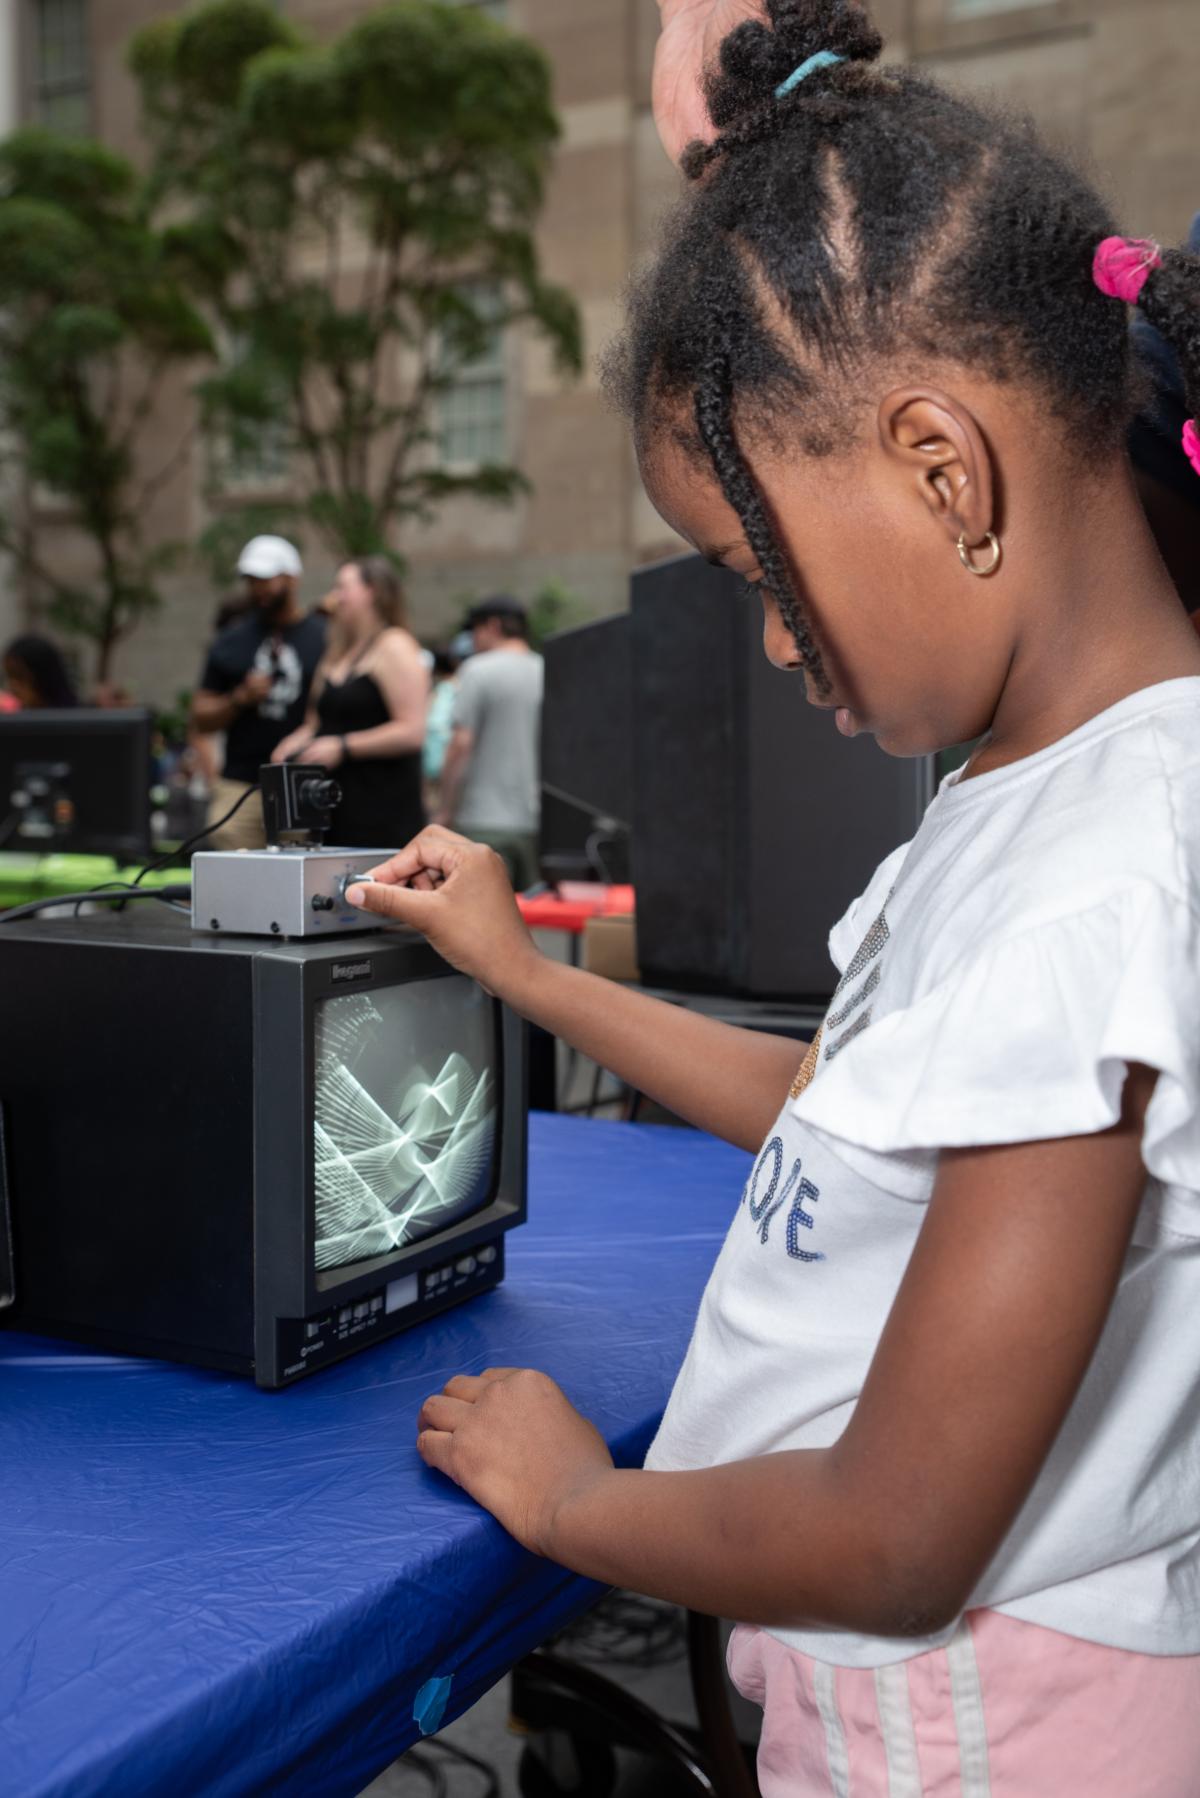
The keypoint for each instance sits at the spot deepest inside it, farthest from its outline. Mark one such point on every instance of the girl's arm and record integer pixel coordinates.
(888, 1531)
(728, 1081)
(404, 682)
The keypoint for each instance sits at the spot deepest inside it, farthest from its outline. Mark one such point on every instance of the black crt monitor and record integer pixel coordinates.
(256, 1155)
(77, 782)
(587, 752)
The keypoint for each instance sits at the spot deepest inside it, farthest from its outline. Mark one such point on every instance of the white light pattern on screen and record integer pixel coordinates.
(384, 1180)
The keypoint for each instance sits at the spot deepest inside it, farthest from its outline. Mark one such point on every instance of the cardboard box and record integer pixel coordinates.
(610, 948)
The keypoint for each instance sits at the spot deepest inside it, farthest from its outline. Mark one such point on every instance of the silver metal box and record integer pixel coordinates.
(280, 892)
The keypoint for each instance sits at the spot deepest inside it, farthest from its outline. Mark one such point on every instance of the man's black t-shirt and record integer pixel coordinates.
(289, 654)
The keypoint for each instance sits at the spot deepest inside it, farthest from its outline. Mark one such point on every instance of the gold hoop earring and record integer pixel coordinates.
(964, 555)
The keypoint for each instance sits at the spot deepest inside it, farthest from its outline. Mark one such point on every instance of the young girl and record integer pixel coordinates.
(934, 1442)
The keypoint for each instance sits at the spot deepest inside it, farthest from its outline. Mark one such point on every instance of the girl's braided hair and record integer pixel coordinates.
(869, 214)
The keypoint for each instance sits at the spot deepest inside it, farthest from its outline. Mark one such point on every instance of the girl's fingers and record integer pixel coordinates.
(441, 1412)
(469, 1385)
(436, 1449)
(403, 904)
(434, 848)
(466, 1386)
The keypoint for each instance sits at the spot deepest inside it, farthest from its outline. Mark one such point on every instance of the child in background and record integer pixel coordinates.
(934, 1439)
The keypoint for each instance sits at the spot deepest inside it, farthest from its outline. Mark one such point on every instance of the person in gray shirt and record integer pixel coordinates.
(490, 783)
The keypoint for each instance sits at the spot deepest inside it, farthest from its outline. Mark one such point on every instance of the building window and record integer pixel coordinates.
(495, 9)
(263, 464)
(256, 456)
(974, 9)
(61, 78)
(472, 408)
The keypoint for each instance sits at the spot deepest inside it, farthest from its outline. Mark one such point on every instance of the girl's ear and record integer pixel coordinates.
(939, 449)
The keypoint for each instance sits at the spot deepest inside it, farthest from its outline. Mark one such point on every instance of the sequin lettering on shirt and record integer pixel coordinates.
(869, 950)
(861, 1023)
(763, 1208)
(836, 1019)
(871, 946)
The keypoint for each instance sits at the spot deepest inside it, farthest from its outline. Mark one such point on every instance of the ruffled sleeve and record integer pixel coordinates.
(1028, 1038)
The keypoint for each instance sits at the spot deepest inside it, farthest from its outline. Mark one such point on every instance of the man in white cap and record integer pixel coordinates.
(256, 679)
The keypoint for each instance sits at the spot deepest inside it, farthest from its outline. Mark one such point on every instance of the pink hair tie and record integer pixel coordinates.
(1191, 443)
(1123, 266)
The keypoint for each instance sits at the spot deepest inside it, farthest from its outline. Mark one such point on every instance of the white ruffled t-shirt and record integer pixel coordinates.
(1000, 972)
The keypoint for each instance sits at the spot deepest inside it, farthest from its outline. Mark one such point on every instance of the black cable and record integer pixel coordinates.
(165, 861)
(418, 1760)
(105, 885)
(123, 889)
(168, 895)
(460, 1757)
(601, 814)
(592, 850)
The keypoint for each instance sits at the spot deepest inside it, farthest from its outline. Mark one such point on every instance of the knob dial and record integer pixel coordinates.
(346, 881)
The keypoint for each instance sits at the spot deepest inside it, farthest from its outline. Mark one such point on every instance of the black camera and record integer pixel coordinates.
(298, 800)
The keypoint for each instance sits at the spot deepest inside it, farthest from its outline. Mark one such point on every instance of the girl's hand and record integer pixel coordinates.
(458, 895)
(326, 750)
(692, 31)
(512, 1440)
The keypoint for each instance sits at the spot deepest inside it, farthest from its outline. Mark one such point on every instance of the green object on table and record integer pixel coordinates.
(24, 878)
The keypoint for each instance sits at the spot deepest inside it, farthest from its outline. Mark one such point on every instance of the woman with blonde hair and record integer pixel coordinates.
(366, 716)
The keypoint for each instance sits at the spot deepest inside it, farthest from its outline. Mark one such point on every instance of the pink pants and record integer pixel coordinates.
(1006, 1710)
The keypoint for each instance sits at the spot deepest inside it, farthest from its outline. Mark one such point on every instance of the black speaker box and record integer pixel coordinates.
(587, 752)
(755, 823)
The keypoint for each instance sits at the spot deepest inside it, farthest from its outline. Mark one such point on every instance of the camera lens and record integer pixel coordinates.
(321, 795)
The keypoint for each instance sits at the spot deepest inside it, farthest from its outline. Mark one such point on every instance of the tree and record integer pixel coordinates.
(92, 321)
(358, 217)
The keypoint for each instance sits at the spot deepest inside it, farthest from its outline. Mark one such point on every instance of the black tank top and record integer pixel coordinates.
(381, 796)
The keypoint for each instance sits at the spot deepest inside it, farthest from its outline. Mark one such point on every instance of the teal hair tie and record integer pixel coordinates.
(824, 59)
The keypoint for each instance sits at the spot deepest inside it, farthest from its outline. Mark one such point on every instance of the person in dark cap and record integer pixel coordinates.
(1166, 479)
(490, 785)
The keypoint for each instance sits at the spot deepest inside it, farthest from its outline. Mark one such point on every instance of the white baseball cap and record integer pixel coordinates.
(265, 557)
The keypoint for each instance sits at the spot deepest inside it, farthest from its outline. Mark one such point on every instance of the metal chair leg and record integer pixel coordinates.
(722, 1750)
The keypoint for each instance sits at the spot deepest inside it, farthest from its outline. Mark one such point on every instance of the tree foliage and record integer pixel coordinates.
(92, 320)
(357, 218)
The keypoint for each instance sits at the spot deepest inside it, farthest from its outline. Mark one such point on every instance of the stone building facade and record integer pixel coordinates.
(1115, 80)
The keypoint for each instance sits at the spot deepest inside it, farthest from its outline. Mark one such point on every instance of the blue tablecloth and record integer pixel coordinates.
(207, 1590)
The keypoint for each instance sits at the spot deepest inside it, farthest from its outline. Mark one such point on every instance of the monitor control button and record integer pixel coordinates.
(346, 881)
(377, 1303)
(466, 1265)
(360, 1311)
(344, 1315)
(312, 1329)
(486, 1256)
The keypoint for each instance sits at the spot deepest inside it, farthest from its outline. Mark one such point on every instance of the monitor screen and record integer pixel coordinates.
(94, 768)
(407, 1096)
